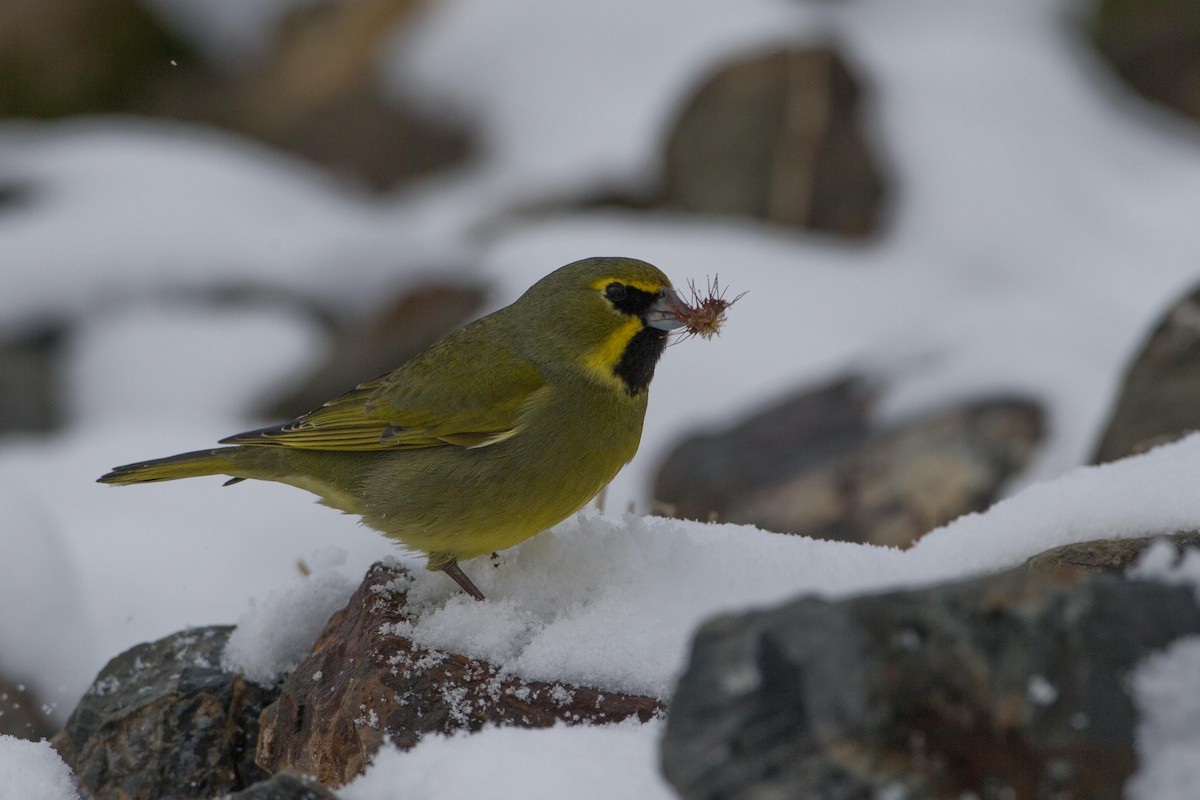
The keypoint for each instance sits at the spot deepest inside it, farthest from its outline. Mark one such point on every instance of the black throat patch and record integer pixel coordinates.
(637, 363)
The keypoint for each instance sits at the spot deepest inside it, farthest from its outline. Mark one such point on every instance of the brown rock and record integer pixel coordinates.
(78, 56)
(364, 683)
(778, 137)
(1106, 555)
(415, 320)
(812, 466)
(1159, 400)
(317, 95)
(1154, 45)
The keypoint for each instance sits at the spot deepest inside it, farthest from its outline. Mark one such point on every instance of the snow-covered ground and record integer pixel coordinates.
(1040, 221)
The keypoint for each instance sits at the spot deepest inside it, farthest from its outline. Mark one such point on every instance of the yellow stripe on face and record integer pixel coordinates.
(653, 287)
(602, 360)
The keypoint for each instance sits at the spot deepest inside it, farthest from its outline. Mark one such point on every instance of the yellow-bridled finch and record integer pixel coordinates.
(504, 428)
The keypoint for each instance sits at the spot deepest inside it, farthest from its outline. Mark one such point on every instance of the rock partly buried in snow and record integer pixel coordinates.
(812, 465)
(164, 721)
(1011, 686)
(778, 137)
(1159, 400)
(1107, 555)
(285, 786)
(365, 682)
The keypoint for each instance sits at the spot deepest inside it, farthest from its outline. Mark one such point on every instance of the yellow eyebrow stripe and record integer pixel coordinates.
(645, 286)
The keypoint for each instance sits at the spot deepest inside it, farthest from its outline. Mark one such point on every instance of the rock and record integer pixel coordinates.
(1010, 686)
(1159, 400)
(708, 473)
(79, 56)
(1106, 555)
(365, 682)
(317, 94)
(285, 786)
(360, 352)
(778, 137)
(1154, 45)
(164, 721)
(813, 466)
(21, 712)
(30, 390)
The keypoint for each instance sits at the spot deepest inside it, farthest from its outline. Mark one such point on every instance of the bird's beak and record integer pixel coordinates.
(664, 313)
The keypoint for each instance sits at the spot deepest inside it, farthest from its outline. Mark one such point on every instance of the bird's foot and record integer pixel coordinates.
(455, 571)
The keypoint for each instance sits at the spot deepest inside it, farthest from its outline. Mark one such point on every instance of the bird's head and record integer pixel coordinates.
(610, 316)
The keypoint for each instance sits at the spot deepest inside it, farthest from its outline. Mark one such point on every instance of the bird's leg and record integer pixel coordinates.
(455, 571)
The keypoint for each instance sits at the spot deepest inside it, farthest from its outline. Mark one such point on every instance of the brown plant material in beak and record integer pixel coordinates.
(704, 314)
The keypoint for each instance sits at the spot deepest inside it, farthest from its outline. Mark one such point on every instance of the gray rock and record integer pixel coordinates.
(778, 137)
(285, 786)
(21, 712)
(1010, 686)
(164, 721)
(1159, 399)
(814, 466)
(708, 473)
(30, 381)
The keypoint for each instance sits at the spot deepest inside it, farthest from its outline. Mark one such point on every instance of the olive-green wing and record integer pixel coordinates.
(468, 394)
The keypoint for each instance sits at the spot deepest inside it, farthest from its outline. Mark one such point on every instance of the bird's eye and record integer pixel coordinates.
(615, 292)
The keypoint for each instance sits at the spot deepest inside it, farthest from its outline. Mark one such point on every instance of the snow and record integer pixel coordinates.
(273, 637)
(612, 600)
(255, 350)
(1166, 690)
(118, 207)
(32, 770)
(583, 762)
(1040, 221)
(571, 94)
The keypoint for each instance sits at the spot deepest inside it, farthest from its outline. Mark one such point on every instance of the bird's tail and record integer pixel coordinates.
(184, 465)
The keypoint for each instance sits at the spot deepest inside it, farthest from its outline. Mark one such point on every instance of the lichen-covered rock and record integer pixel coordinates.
(1107, 555)
(164, 721)
(1159, 400)
(365, 682)
(1010, 686)
(814, 466)
(778, 137)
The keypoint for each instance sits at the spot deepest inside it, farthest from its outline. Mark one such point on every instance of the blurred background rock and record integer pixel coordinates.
(780, 134)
